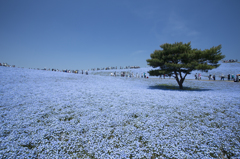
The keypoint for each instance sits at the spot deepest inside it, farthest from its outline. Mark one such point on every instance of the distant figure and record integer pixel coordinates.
(232, 77)
(214, 77)
(229, 77)
(222, 77)
(196, 76)
(169, 75)
(199, 76)
(237, 79)
(210, 76)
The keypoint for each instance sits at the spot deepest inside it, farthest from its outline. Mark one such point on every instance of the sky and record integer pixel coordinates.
(86, 34)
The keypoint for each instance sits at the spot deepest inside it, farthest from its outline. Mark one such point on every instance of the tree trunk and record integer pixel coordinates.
(179, 81)
(180, 85)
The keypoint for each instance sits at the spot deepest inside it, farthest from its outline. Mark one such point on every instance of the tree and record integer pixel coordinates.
(180, 59)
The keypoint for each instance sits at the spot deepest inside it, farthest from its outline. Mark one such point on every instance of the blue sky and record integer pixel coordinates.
(85, 34)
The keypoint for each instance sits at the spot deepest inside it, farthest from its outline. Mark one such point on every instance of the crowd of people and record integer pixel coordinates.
(198, 76)
(129, 74)
(213, 77)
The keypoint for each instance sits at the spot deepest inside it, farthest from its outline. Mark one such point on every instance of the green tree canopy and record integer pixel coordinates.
(180, 59)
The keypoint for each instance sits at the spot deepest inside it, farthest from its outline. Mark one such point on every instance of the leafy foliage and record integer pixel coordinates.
(180, 59)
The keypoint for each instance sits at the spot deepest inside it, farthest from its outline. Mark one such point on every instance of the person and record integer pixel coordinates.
(196, 76)
(210, 76)
(214, 77)
(199, 76)
(222, 77)
(229, 77)
(232, 77)
(237, 79)
(169, 75)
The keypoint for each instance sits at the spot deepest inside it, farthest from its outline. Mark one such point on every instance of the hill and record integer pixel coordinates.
(46, 114)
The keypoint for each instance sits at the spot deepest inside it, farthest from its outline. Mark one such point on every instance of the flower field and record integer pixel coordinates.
(47, 114)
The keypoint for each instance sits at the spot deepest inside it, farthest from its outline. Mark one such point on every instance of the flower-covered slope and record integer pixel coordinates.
(52, 114)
